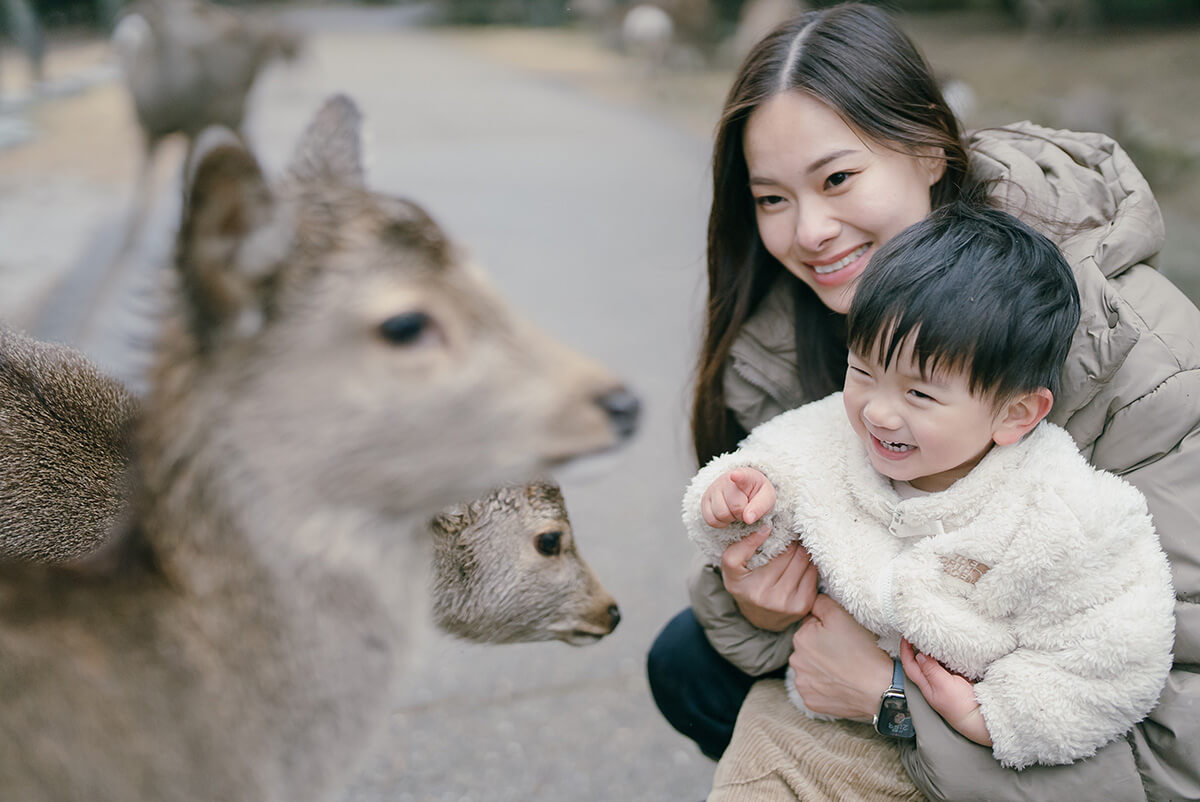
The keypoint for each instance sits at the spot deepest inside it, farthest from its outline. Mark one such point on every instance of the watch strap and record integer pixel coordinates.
(893, 718)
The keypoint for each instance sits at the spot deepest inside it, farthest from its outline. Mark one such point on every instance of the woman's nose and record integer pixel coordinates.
(815, 227)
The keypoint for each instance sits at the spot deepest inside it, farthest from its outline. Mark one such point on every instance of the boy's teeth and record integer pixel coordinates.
(840, 263)
(896, 446)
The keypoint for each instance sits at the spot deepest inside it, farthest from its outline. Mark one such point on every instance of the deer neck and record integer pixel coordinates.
(295, 605)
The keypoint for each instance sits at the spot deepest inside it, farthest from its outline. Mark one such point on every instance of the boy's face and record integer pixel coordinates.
(926, 431)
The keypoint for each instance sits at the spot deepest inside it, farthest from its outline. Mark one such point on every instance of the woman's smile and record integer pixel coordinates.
(842, 268)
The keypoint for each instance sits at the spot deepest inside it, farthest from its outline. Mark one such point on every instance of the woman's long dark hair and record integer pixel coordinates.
(855, 59)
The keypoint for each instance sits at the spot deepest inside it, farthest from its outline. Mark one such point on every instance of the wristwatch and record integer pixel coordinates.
(893, 719)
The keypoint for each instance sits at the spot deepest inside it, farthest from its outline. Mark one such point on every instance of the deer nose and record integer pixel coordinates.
(623, 409)
(614, 616)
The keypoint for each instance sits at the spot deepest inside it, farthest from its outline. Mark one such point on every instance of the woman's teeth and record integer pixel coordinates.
(840, 263)
(897, 447)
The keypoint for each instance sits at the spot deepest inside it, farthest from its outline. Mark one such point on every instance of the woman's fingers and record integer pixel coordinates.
(912, 669)
(794, 581)
(737, 555)
(806, 589)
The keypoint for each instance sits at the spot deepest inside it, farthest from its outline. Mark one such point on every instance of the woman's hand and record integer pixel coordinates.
(773, 596)
(952, 696)
(840, 670)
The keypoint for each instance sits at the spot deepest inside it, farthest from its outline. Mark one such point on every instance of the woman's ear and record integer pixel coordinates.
(1018, 415)
(933, 160)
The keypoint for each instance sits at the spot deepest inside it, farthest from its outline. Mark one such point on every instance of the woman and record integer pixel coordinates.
(834, 137)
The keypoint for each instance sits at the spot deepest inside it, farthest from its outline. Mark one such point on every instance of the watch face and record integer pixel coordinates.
(894, 719)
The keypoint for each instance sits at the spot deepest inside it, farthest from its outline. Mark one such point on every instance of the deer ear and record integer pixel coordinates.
(231, 239)
(330, 149)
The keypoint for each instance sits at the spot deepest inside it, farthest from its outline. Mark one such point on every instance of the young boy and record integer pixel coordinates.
(942, 510)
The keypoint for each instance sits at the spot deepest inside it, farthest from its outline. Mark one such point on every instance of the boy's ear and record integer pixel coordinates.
(1020, 414)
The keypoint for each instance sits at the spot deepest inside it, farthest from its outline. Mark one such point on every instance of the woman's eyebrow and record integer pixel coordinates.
(827, 158)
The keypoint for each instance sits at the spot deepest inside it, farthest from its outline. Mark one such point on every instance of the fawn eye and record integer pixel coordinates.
(409, 328)
(548, 544)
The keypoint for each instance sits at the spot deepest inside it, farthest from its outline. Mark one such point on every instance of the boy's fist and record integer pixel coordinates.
(743, 494)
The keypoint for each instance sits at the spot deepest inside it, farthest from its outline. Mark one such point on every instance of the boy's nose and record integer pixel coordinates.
(880, 415)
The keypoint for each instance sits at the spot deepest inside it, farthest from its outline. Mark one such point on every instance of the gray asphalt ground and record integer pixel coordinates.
(590, 216)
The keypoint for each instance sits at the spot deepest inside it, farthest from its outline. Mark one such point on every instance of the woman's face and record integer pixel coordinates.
(826, 198)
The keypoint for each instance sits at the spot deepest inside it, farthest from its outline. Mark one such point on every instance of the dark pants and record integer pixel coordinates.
(698, 691)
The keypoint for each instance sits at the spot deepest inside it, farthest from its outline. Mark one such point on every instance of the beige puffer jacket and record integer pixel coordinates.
(1131, 401)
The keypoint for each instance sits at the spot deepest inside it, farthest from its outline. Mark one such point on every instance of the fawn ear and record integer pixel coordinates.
(330, 149)
(232, 238)
(450, 521)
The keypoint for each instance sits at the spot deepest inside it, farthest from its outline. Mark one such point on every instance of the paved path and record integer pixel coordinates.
(590, 215)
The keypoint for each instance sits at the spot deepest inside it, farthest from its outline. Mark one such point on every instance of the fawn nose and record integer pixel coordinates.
(614, 616)
(623, 409)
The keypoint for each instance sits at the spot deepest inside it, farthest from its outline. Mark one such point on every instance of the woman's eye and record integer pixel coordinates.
(837, 179)
(548, 544)
(766, 201)
(409, 328)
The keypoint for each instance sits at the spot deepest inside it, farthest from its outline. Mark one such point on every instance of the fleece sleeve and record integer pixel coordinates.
(777, 449)
(1092, 600)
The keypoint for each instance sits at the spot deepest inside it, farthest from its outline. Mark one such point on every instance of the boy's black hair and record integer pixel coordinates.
(983, 292)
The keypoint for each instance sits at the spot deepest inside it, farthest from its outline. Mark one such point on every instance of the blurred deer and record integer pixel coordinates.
(506, 566)
(188, 64)
(334, 374)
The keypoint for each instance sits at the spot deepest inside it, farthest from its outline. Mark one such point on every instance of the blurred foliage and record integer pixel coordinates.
(1034, 13)
(540, 13)
(1055, 13)
(89, 13)
(505, 12)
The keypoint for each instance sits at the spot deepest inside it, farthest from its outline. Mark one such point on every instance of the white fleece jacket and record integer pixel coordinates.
(1036, 575)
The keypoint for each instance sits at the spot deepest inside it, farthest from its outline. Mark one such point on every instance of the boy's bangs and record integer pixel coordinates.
(938, 344)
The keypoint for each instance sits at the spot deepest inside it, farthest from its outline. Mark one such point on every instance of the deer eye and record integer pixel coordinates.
(409, 328)
(548, 544)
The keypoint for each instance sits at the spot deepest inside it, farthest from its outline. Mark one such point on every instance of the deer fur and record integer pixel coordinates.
(334, 374)
(65, 430)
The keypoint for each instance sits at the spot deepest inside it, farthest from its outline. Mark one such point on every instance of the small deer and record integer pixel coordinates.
(507, 570)
(335, 373)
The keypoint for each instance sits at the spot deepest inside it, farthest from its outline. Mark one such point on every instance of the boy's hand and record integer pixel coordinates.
(952, 696)
(743, 494)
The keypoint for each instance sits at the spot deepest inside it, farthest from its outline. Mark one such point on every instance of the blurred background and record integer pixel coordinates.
(566, 143)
